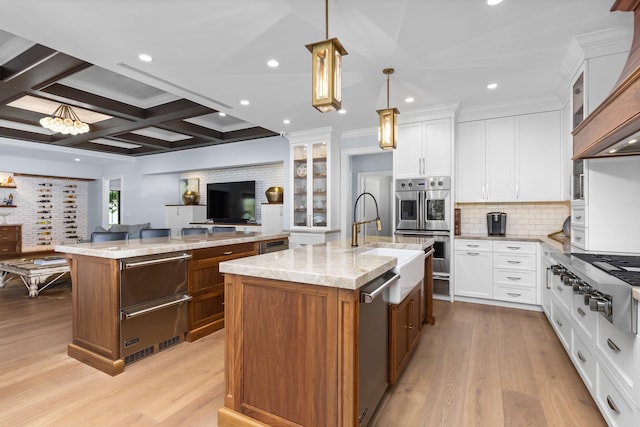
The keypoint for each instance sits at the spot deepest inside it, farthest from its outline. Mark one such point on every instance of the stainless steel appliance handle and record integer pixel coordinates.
(428, 254)
(368, 297)
(184, 298)
(155, 261)
(440, 276)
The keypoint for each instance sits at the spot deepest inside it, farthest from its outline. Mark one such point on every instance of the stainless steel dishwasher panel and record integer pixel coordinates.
(147, 278)
(374, 345)
(153, 304)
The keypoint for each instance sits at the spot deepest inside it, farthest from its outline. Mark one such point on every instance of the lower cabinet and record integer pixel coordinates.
(206, 286)
(473, 268)
(405, 324)
(10, 240)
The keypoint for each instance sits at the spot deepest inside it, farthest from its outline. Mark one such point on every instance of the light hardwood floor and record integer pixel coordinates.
(478, 366)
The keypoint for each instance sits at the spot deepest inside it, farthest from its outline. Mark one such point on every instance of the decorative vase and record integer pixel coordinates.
(190, 198)
(274, 194)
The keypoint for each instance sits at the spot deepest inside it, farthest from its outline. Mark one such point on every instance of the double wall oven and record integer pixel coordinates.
(423, 207)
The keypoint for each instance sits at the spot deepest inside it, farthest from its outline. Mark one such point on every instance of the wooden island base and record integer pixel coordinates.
(292, 352)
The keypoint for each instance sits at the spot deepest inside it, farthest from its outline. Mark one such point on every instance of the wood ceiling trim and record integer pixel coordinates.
(196, 131)
(24, 62)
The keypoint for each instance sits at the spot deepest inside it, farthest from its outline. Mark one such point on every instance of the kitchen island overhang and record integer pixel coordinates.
(293, 330)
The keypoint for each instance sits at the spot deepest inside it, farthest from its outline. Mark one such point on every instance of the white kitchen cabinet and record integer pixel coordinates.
(314, 179)
(510, 159)
(514, 272)
(473, 269)
(424, 149)
(271, 214)
(178, 217)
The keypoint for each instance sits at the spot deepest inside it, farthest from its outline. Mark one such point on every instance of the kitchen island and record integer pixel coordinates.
(292, 332)
(96, 274)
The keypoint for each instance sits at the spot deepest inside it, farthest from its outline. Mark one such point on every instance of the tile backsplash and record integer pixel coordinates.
(539, 218)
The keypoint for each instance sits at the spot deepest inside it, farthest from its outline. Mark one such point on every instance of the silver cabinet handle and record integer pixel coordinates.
(514, 248)
(513, 294)
(581, 357)
(612, 405)
(227, 253)
(473, 253)
(514, 278)
(613, 345)
(559, 322)
(472, 246)
(578, 216)
(559, 288)
(513, 262)
(578, 238)
(581, 311)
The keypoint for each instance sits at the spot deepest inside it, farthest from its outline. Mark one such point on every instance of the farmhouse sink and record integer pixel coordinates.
(410, 267)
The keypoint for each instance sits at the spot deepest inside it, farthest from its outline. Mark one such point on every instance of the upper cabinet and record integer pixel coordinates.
(314, 179)
(510, 159)
(424, 149)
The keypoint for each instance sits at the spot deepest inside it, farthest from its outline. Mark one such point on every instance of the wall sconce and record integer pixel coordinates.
(326, 71)
(388, 128)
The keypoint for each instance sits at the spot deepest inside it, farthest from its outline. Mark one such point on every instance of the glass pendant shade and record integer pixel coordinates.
(326, 74)
(65, 121)
(388, 129)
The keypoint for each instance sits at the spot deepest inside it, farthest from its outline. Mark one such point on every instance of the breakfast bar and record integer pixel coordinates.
(294, 329)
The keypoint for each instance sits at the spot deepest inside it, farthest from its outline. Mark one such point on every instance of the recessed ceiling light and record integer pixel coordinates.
(342, 111)
(492, 86)
(76, 159)
(244, 102)
(409, 99)
(632, 141)
(145, 57)
(221, 114)
(286, 121)
(612, 151)
(273, 63)
(493, 2)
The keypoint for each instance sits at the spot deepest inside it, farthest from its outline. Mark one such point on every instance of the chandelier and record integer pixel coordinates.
(65, 121)
(326, 70)
(388, 129)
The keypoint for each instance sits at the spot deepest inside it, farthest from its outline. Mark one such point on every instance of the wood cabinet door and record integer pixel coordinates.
(399, 338)
(414, 318)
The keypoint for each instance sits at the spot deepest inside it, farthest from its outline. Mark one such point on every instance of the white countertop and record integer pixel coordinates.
(135, 247)
(334, 264)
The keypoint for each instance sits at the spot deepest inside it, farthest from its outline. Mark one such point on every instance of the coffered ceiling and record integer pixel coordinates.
(210, 55)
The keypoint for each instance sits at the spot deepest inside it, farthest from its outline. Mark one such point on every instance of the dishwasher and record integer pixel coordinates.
(153, 304)
(374, 345)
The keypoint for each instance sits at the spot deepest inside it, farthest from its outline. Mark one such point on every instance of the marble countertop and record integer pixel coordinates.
(334, 264)
(135, 247)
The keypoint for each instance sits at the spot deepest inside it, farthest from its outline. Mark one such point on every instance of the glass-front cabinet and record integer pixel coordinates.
(311, 180)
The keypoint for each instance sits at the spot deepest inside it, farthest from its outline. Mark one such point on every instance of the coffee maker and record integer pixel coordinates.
(496, 223)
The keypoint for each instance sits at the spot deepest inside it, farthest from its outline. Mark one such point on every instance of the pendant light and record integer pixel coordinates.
(65, 121)
(388, 129)
(326, 70)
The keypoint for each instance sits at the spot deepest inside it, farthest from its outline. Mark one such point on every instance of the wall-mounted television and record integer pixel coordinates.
(231, 202)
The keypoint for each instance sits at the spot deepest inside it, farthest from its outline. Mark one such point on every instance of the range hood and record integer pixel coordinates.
(613, 129)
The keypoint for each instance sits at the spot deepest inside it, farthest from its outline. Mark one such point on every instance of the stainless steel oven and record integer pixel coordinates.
(423, 204)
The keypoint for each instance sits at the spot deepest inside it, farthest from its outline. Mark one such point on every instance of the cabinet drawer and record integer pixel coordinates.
(616, 406)
(239, 250)
(578, 237)
(514, 261)
(585, 318)
(578, 216)
(473, 245)
(514, 278)
(8, 248)
(514, 294)
(515, 247)
(619, 349)
(583, 359)
(8, 236)
(563, 293)
(560, 323)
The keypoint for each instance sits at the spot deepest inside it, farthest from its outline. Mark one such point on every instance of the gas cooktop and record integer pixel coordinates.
(623, 267)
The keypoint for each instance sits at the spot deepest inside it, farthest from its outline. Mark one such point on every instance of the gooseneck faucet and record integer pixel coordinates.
(355, 225)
